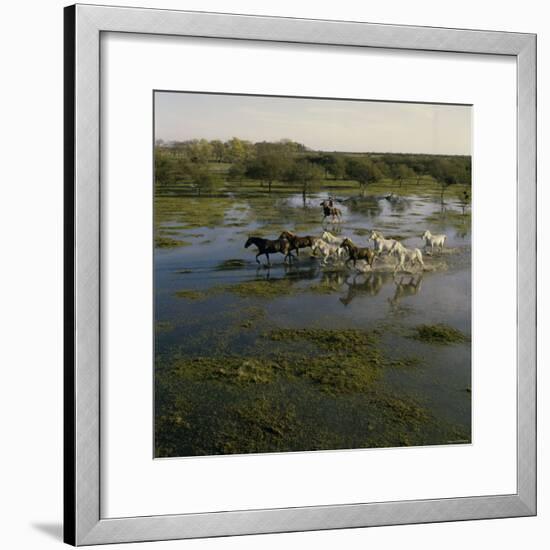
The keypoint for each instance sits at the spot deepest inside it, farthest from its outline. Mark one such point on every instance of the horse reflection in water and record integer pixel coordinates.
(403, 288)
(306, 272)
(365, 285)
(372, 283)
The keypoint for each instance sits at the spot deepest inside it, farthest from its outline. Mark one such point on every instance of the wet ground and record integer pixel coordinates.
(307, 357)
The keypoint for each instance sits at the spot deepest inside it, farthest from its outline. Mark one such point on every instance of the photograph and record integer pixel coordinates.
(312, 274)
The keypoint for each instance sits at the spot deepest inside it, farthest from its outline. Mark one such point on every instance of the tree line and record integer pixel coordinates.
(194, 161)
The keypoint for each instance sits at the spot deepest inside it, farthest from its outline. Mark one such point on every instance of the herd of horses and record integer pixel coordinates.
(331, 248)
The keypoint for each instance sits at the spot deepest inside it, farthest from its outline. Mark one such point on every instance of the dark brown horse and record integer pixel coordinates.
(330, 210)
(267, 247)
(297, 242)
(355, 253)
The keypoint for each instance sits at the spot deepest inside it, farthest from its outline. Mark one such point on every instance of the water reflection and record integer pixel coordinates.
(404, 287)
(295, 272)
(364, 285)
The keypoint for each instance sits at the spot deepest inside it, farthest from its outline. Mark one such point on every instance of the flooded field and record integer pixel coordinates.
(254, 359)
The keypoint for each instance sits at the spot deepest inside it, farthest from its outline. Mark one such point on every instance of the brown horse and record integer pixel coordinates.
(297, 242)
(356, 253)
(267, 247)
(330, 210)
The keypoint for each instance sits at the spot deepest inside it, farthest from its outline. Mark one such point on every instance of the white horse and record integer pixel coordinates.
(412, 256)
(328, 237)
(328, 251)
(433, 240)
(380, 243)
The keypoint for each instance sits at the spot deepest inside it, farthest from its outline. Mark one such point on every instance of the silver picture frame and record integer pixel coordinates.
(83, 524)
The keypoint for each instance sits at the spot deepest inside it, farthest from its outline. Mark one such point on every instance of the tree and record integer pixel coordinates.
(292, 146)
(203, 179)
(162, 168)
(465, 200)
(200, 151)
(237, 171)
(304, 173)
(363, 170)
(401, 172)
(442, 170)
(218, 149)
(271, 162)
(333, 164)
(238, 150)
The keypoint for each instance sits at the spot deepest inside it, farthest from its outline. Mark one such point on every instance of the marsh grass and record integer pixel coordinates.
(164, 326)
(439, 334)
(263, 288)
(231, 264)
(168, 242)
(190, 294)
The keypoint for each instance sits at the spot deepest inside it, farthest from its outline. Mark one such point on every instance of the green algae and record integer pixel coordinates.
(352, 339)
(168, 242)
(338, 368)
(228, 369)
(262, 288)
(192, 212)
(257, 426)
(439, 334)
(405, 362)
(189, 294)
(349, 360)
(164, 326)
(228, 265)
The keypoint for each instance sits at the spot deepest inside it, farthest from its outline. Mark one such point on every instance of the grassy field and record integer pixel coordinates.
(426, 186)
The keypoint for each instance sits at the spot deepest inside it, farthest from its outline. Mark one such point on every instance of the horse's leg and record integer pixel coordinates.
(259, 254)
(268, 262)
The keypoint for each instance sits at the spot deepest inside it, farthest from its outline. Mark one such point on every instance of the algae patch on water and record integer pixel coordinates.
(164, 326)
(189, 294)
(226, 368)
(233, 263)
(258, 425)
(439, 334)
(347, 360)
(263, 288)
(162, 241)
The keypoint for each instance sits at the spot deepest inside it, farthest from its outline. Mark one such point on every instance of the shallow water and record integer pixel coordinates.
(213, 317)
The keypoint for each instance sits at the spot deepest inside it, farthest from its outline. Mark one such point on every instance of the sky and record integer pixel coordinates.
(320, 124)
